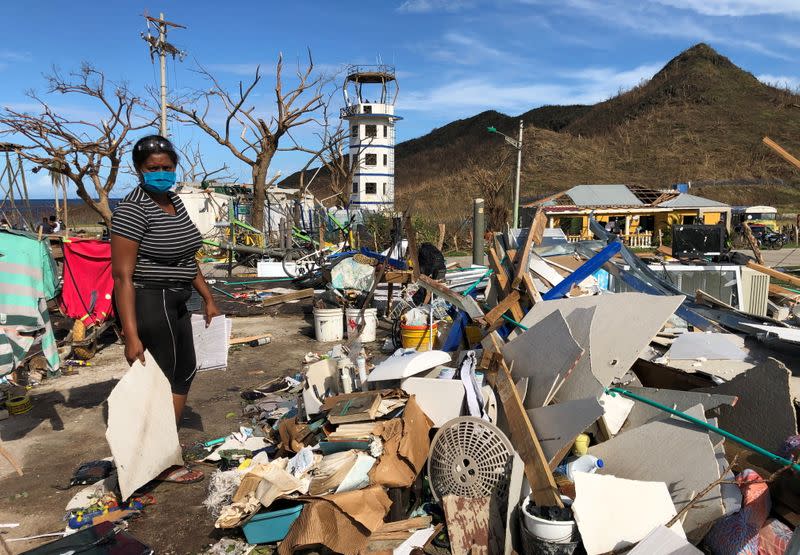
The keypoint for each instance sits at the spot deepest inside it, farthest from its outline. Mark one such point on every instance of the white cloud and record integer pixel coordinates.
(780, 81)
(463, 49)
(585, 86)
(428, 6)
(736, 8)
(241, 68)
(14, 56)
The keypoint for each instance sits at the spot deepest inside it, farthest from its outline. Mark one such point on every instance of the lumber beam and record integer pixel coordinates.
(543, 487)
(783, 153)
(293, 296)
(503, 282)
(502, 307)
(534, 237)
(777, 274)
(464, 302)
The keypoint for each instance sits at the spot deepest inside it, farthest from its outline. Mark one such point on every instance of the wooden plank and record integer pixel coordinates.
(293, 296)
(502, 307)
(543, 487)
(411, 253)
(404, 525)
(464, 302)
(502, 280)
(781, 152)
(535, 235)
(10, 458)
(530, 287)
(748, 234)
(248, 339)
(398, 276)
(782, 276)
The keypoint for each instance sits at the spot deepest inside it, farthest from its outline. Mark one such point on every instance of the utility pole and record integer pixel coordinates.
(519, 169)
(517, 144)
(160, 46)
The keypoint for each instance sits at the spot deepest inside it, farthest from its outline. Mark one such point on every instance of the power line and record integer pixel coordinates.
(159, 45)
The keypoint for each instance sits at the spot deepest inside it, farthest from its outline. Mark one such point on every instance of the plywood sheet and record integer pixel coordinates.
(612, 513)
(622, 326)
(764, 413)
(546, 354)
(558, 425)
(672, 451)
(141, 429)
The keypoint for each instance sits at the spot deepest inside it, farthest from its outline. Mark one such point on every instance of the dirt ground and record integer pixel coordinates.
(67, 427)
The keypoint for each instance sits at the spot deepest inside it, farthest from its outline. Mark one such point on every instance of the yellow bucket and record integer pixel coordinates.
(417, 337)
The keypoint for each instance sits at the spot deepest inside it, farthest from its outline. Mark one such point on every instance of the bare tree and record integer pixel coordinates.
(491, 178)
(194, 169)
(339, 167)
(259, 138)
(88, 152)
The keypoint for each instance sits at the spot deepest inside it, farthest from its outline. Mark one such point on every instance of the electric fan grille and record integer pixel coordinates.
(469, 457)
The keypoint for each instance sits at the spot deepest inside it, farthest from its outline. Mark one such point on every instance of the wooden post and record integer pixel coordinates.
(440, 239)
(748, 234)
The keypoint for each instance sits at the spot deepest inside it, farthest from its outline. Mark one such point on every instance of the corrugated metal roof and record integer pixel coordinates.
(685, 200)
(603, 195)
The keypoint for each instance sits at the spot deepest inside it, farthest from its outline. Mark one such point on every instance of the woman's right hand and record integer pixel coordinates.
(134, 350)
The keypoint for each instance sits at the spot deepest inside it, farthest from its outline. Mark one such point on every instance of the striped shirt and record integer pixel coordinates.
(167, 244)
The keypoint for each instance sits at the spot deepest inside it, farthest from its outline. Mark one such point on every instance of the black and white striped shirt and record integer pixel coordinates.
(167, 244)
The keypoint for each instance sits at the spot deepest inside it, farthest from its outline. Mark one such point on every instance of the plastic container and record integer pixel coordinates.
(271, 526)
(549, 530)
(417, 337)
(370, 323)
(328, 324)
(581, 446)
(584, 463)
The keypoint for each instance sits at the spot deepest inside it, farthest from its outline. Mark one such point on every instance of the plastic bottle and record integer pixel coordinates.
(361, 364)
(584, 463)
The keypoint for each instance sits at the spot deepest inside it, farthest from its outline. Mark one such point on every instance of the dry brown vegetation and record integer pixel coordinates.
(700, 119)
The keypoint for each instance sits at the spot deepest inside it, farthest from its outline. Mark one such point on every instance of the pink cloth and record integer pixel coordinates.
(738, 534)
(88, 289)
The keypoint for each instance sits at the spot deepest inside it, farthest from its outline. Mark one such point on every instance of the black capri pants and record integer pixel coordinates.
(165, 329)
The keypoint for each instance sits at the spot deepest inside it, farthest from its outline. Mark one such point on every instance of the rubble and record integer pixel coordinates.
(461, 444)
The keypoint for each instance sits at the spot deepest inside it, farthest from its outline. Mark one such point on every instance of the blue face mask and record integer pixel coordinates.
(158, 182)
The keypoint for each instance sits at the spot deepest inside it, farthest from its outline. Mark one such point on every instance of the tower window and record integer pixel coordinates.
(385, 159)
(371, 130)
(371, 159)
(355, 188)
(384, 190)
(385, 131)
(354, 131)
(368, 109)
(371, 188)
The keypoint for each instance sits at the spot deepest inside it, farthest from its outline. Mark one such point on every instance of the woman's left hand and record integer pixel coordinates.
(211, 311)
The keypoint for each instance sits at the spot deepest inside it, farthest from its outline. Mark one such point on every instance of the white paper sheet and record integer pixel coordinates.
(211, 343)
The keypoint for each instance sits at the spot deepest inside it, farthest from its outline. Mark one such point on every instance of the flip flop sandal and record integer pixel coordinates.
(181, 475)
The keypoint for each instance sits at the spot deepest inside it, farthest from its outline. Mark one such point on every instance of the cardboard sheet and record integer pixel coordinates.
(616, 410)
(612, 513)
(341, 522)
(545, 354)
(406, 444)
(675, 452)
(141, 430)
(764, 413)
(558, 425)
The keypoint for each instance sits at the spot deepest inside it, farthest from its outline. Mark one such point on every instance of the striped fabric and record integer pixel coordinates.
(28, 279)
(167, 244)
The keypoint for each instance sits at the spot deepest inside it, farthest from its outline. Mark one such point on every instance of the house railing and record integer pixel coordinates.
(633, 240)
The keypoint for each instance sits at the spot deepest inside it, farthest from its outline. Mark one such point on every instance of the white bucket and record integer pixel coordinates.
(548, 530)
(328, 324)
(370, 323)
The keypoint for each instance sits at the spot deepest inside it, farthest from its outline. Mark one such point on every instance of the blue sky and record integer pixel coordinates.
(453, 58)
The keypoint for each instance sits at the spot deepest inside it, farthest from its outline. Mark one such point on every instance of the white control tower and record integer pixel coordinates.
(370, 93)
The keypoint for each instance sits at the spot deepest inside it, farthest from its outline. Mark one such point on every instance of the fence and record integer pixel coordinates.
(633, 240)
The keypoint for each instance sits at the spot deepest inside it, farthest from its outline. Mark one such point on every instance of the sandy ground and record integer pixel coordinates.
(67, 427)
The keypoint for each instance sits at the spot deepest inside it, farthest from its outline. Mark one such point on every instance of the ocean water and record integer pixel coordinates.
(79, 212)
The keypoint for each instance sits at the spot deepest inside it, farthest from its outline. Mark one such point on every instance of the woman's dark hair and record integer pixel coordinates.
(152, 144)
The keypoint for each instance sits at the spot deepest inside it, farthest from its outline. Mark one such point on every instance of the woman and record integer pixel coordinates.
(153, 248)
